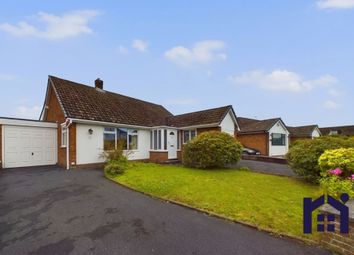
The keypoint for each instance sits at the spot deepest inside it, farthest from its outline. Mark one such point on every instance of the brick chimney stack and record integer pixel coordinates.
(98, 84)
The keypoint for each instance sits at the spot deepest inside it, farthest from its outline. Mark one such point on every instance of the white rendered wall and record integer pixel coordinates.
(315, 133)
(228, 125)
(278, 150)
(90, 147)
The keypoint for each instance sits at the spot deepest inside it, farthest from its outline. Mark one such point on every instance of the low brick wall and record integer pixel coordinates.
(335, 241)
(265, 159)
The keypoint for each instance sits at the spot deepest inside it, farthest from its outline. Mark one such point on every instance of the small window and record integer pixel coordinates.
(155, 139)
(165, 139)
(333, 132)
(278, 139)
(122, 138)
(109, 139)
(192, 134)
(159, 141)
(188, 135)
(133, 140)
(185, 136)
(64, 136)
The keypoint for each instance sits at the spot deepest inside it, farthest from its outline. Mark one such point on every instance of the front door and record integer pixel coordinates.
(172, 144)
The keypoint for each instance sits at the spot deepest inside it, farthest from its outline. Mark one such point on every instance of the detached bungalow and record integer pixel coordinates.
(270, 136)
(304, 132)
(91, 120)
(338, 130)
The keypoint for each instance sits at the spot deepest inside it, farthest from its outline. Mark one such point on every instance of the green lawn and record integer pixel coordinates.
(268, 202)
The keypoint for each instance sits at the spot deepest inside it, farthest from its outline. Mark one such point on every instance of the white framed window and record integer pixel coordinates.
(132, 139)
(189, 135)
(64, 136)
(127, 138)
(109, 139)
(156, 139)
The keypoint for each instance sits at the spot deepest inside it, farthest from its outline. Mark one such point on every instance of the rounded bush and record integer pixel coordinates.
(335, 186)
(342, 158)
(211, 149)
(116, 166)
(303, 155)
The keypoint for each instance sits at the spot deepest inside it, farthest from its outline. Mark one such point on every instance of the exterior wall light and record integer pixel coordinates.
(90, 131)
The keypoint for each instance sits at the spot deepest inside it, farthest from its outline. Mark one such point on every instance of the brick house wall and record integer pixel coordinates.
(158, 156)
(258, 141)
(55, 113)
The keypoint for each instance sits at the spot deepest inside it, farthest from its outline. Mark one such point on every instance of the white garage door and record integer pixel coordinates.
(29, 146)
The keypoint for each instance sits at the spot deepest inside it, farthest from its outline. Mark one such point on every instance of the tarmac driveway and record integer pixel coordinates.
(47, 210)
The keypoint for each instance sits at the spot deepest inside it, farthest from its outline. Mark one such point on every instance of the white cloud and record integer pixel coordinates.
(185, 101)
(335, 4)
(28, 112)
(54, 27)
(330, 104)
(334, 92)
(140, 45)
(282, 80)
(202, 52)
(7, 77)
(122, 50)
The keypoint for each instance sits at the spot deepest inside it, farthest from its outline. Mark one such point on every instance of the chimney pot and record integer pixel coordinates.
(98, 83)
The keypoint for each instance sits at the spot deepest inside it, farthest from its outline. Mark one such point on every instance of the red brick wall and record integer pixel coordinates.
(72, 144)
(55, 113)
(0, 146)
(255, 141)
(158, 156)
(341, 243)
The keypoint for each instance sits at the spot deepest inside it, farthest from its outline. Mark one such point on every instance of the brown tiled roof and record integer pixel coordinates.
(248, 125)
(302, 131)
(85, 102)
(210, 116)
(342, 130)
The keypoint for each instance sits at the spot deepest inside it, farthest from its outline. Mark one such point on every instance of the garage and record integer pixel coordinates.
(27, 143)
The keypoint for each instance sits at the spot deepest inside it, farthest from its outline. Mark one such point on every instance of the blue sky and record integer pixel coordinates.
(289, 59)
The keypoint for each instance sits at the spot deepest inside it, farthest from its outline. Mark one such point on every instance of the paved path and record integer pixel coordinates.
(53, 211)
(266, 167)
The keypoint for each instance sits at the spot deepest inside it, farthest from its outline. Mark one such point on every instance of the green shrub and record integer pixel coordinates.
(116, 166)
(303, 155)
(339, 158)
(212, 149)
(116, 161)
(335, 186)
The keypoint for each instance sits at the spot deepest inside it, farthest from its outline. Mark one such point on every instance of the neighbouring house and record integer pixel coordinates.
(303, 132)
(270, 136)
(338, 130)
(91, 120)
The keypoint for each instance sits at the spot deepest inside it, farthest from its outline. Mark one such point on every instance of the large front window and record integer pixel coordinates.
(114, 138)
(278, 139)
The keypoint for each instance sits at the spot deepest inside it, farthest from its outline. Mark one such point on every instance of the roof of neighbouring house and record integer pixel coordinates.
(302, 131)
(80, 101)
(248, 125)
(85, 102)
(342, 130)
(205, 117)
